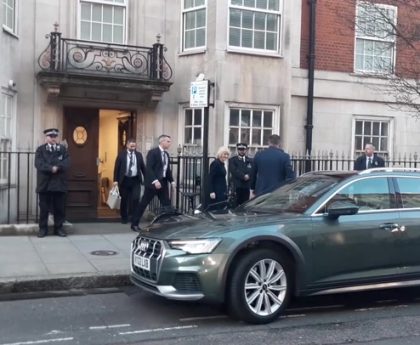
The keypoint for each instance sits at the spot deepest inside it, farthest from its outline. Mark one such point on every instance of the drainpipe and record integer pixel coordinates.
(311, 69)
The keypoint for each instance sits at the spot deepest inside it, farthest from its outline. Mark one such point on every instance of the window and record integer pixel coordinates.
(255, 25)
(375, 38)
(193, 24)
(368, 194)
(6, 113)
(375, 132)
(9, 15)
(251, 126)
(103, 20)
(410, 191)
(193, 134)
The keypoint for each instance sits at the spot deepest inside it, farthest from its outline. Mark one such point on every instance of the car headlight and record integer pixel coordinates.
(195, 246)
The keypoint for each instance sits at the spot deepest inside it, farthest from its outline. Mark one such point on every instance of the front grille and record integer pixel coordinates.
(187, 282)
(152, 250)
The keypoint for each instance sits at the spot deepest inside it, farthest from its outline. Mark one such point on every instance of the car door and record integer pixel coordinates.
(408, 192)
(359, 247)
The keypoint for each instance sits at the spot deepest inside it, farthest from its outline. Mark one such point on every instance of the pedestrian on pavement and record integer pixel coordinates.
(272, 168)
(240, 169)
(157, 179)
(369, 159)
(218, 189)
(129, 170)
(52, 162)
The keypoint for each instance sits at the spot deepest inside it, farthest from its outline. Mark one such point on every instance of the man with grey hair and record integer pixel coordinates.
(157, 179)
(369, 159)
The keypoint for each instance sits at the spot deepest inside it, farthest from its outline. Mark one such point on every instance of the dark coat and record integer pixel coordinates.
(45, 159)
(238, 169)
(272, 168)
(217, 181)
(120, 167)
(377, 162)
(154, 167)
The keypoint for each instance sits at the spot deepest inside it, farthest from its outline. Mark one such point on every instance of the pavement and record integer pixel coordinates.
(92, 256)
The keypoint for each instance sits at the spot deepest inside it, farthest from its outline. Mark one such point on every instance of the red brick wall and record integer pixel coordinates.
(335, 36)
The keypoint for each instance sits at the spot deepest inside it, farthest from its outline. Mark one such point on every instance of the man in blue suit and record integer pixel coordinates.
(272, 168)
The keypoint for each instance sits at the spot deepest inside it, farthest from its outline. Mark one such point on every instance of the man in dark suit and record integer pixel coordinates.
(128, 171)
(272, 168)
(369, 159)
(51, 161)
(157, 179)
(240, 170)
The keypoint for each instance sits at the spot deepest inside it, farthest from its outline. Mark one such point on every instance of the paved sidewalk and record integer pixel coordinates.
(93, 255)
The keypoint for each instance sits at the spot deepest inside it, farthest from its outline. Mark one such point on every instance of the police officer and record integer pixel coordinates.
(51, 161)
(240, 168)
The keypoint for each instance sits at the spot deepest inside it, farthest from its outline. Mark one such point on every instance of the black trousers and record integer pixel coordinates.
(149, 194)
(55, 202)
(130, 195)
(242, 195)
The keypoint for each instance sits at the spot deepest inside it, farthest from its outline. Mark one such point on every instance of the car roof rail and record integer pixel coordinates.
(388, 169)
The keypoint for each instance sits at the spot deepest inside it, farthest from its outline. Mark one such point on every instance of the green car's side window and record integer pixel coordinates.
(410, 191)
(368, 194)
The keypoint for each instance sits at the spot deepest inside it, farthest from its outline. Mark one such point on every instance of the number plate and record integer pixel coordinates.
(142, 262)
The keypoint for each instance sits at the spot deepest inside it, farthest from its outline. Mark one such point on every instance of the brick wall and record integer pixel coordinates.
(335, 37)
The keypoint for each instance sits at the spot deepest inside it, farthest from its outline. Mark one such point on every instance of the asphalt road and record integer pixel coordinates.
(130, 316)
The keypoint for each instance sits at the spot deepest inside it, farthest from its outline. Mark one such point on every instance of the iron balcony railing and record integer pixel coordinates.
(73, 56)
(19, 203)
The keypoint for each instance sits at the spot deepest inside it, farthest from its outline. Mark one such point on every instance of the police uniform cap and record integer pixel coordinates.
(52, 132)
(241, 146)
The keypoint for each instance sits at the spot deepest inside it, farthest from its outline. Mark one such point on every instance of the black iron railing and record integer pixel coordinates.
(98, 58)
(18, 200)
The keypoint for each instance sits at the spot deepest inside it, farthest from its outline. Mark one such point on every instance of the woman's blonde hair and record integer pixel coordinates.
(221, 151)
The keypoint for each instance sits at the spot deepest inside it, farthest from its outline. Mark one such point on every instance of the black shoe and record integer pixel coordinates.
(42, 233)
(60, 232)
(135, 228)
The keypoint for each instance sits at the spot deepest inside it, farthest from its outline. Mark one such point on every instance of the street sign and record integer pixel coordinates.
(199, 91)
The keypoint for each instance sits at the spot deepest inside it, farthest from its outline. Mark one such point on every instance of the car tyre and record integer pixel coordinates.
(260, 286)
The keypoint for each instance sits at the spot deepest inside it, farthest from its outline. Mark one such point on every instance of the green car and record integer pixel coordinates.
(326, 232)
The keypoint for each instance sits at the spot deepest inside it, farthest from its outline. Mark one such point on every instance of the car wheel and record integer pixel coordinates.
(260, 286)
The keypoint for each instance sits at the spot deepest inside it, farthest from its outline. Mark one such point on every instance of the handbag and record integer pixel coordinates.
(114, 198)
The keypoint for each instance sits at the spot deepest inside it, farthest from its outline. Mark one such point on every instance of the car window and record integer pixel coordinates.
(368, 194)
(410, 191)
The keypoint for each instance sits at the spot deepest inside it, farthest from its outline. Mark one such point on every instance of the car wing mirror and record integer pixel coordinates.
(342, 208)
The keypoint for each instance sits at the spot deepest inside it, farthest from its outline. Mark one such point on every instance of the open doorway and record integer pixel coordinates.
(115, 127)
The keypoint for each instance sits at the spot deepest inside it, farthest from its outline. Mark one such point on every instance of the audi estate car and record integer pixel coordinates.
(325, 232)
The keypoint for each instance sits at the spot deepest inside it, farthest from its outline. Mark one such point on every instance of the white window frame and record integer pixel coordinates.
(190, 147)
(275, 109)
(372, 119)
(11, 29)
(112, 3)
(359, 36)
(257, 51)
(184, 12)
(7, 102)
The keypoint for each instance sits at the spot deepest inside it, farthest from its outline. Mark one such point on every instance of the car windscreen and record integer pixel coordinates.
(296, 196)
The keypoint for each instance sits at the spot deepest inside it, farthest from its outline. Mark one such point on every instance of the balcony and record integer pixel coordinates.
(77, 68)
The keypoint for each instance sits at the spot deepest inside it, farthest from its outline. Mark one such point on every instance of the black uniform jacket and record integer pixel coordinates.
(45, 159)
(238, 168)
(377, 162)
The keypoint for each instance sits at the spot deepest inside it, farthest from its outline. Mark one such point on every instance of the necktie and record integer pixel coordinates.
(369, 163)
(130, 165)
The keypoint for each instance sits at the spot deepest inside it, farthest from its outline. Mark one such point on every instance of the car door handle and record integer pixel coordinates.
(392, 227)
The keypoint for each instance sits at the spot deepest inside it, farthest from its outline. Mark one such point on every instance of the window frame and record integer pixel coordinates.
(366, 38)
(275, 129)
(257, 51)
(184, 12)
(403, 194)
(378, 150)
(12, 30)
(6, 140)
(112, 4)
